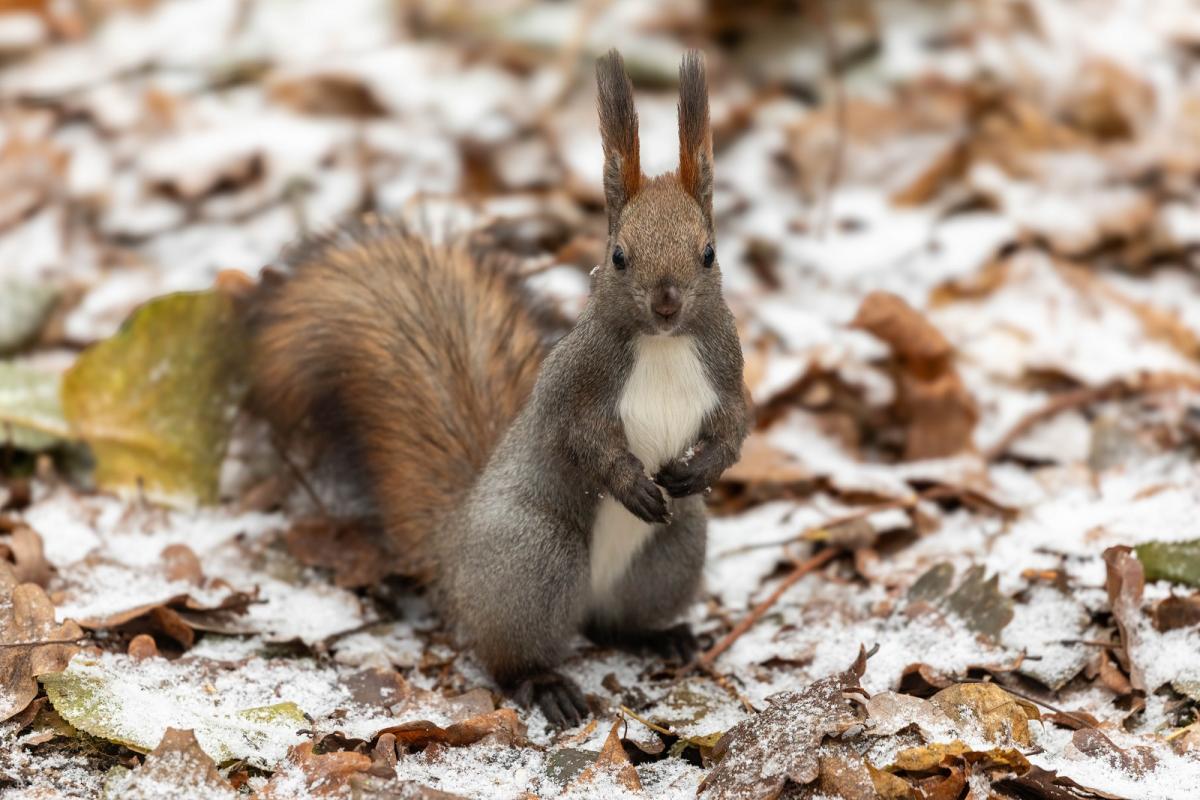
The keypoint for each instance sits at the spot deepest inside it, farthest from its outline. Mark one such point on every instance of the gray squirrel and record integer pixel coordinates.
(539, 494)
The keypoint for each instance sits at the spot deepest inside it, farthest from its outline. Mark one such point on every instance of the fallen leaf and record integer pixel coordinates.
(1000, 717)
(24, 308)
(31, 416)
(501, 726)
(1094, 744)
(176, 767)
(156, 402)
(759, 757)
(26, 619)
(614, 762)
(356, 555)
(142, 646)
(889, 713)
(1178, 562)
(180, 563)
(106, 696)
(1124, 582)
(28, 556)
(932, 402)
(1175, 612)
(322, 775)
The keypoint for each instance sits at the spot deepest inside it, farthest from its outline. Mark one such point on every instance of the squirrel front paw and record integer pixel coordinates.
(646, 502)
(682, 478)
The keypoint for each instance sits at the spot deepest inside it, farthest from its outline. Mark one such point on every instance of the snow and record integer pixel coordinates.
(196, 141)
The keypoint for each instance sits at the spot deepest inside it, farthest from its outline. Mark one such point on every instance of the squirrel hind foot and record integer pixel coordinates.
(559, 698)
(676, 644)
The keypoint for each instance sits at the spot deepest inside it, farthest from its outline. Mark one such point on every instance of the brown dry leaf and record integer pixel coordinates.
(931, 400)
(929, 757)
(889, 786)
(324, 775)
(1040, 783)
(26, 619)
(844, 773)
(910, 336)
(28, 556)
(1108, 101)
(758, 758)
(1125, 581)
(29, 172)
(326, 94)
(181, 564)
(177, 766)
(1094, 744)
(1177, 612)
(142, 647)
(502, 726)
(356, 557)
(763, 463)
(1002, 718)
(380, 687)
(613, 761)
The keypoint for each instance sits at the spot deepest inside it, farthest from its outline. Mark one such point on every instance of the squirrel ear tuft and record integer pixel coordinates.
(619, 133)
(695, 134)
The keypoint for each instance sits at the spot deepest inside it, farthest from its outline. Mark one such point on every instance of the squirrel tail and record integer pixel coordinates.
(402, 360)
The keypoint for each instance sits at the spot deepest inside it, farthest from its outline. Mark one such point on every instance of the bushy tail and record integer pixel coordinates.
(403, 360)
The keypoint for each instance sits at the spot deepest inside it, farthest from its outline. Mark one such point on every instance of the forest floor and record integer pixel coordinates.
(960, 557)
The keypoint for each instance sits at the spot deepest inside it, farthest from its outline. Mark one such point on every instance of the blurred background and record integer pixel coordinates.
(988, 161)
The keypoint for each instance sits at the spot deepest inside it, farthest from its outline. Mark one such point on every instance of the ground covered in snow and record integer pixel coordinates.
(960, 557)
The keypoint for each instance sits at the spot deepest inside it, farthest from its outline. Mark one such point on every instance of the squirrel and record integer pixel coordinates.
(541, 492)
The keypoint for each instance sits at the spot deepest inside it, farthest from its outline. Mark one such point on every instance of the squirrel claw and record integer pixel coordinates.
(559, 698)
(646, 502)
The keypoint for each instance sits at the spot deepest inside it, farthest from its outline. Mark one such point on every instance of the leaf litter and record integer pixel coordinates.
(964, 267)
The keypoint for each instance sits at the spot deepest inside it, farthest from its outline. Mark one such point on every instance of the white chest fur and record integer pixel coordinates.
(662, 407)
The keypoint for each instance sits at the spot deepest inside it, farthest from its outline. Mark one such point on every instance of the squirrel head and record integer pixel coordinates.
(660, 271)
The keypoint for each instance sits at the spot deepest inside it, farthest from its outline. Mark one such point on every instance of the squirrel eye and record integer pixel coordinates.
(709, 255)
(618, 258)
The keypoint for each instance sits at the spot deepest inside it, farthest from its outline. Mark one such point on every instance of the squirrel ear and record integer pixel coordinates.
(695, 134)
(619, 133)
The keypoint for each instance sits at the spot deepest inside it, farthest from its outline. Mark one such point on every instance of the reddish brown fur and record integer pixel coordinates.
(409, 357)
(618, 132)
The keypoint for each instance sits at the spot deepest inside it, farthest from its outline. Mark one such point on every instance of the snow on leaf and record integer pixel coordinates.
(759, 757)
(134, 703)
(177, 767)
(985, 708)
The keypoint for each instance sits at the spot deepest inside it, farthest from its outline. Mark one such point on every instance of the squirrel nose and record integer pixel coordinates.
(666, 301)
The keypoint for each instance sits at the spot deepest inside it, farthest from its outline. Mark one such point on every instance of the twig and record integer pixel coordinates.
(13, 645)
(301, 479)
(832, 59)
(706, 659)
(810, 533)
(1146, 383)
(652, 726)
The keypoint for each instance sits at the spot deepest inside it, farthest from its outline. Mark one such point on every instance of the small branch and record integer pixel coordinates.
(811, 534)
(656, 728)
(832, 61)
(300, 477)
(707, 658)
(1146, 383)
(14, 645)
